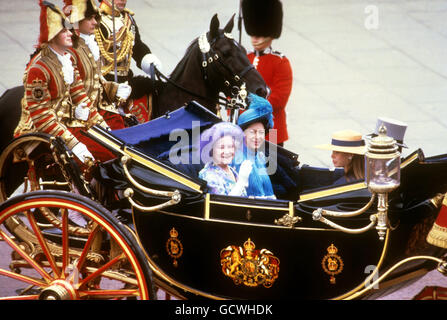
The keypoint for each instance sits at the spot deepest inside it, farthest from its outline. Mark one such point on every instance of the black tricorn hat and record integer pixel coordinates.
(263, 18)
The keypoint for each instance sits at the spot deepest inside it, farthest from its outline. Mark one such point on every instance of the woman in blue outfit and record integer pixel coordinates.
(256, 122)
(218, 148)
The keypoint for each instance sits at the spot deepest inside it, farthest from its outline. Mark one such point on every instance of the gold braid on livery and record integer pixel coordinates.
(96, 87)
(49, 102)
(125, 36)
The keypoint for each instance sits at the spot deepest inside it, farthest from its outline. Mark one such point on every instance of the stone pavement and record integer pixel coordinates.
(353, 61)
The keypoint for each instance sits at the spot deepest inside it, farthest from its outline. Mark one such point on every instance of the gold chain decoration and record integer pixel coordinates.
(125, 50)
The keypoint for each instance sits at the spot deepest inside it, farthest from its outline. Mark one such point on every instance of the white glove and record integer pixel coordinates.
(244, 172)
(148, 60)
(242, 181)
(81, 151)
(82, 111)
(123, 91)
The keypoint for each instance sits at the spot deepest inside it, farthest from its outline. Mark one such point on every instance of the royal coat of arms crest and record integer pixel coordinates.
(248, 266)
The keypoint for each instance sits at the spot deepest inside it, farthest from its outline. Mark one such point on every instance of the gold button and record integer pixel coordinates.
(96, 76)
(60, 114)
(67, 136)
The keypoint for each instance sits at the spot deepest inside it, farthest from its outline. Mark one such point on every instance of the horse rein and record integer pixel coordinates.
(162, 76)
(209, 56)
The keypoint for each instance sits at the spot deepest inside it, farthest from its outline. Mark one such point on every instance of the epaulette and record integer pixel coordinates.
(129, 11)
(277, 53)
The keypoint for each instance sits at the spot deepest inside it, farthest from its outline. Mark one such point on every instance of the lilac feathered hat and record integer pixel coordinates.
(210, 136)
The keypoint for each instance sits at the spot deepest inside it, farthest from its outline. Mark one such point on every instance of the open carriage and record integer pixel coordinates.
(148, 222)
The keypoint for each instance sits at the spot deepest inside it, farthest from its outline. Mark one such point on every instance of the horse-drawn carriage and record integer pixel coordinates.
(149, 222)
(122, 228)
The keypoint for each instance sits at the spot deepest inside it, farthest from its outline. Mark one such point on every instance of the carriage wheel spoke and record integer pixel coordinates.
(103, 294)
(28, 297)
(43, 243)
(23, 278)
(65, 242)
(99, 271)
(26, 256)
(87, 246)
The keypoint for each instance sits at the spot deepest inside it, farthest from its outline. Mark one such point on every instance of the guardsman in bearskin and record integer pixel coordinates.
(85, 50)
(128, 45)
(263, 23)
(55, 101)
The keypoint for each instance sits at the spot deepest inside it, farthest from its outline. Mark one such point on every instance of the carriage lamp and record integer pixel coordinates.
(382, 174)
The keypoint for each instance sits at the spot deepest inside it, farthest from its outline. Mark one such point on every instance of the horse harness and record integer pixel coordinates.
(211, 58)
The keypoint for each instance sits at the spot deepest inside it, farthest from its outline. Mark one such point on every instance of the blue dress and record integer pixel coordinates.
(218, 180)
(259, 184)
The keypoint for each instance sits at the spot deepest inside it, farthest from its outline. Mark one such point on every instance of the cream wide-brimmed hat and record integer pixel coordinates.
(348, 141)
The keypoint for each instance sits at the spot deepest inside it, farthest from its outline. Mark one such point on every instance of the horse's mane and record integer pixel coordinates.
(182, 63)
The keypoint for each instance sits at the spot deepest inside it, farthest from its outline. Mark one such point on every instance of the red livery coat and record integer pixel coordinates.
(49, 102)
(96, 87)
(275, 68)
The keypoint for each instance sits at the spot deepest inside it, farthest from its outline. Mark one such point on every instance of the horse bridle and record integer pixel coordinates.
(210, 58)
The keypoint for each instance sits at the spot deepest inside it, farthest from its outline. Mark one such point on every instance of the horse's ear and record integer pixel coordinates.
(230, 24)
(214, 27)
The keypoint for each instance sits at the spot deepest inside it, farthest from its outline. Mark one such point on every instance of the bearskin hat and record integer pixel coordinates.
(52, 21)
(80, 9)
(263, 18)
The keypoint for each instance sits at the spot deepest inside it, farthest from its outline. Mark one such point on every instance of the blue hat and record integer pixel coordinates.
(259, 110)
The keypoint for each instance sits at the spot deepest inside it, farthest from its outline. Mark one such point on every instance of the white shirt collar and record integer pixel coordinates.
(90, 41)
(67, 66)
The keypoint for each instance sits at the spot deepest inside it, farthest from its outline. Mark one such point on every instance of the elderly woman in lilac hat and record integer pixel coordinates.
(219, 145)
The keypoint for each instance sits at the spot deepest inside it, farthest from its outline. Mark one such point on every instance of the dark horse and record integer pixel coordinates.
(213, 63)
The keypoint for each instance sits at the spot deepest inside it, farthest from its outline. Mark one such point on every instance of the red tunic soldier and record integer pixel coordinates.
(55, 101)
(263, 23)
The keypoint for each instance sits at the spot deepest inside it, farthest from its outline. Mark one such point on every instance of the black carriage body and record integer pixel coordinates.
(229, 247)
(302, 254)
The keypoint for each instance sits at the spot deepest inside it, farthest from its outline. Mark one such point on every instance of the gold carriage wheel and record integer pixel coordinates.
(19, 163)
(105, 264)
